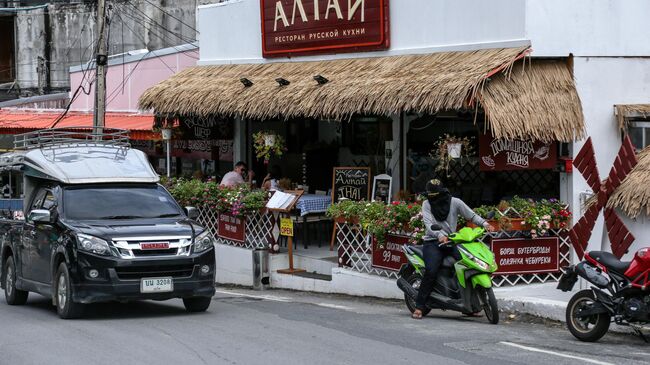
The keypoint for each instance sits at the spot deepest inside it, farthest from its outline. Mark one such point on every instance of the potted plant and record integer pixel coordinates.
(448, 148)
(268, 144)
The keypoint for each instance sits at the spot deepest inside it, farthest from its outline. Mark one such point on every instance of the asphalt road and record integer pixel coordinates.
(281, 327)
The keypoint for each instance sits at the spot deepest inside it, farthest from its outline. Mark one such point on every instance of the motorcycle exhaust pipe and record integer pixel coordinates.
(407, 288)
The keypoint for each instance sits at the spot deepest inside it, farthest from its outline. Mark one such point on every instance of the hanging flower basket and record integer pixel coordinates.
(268, 144)
(454, 150)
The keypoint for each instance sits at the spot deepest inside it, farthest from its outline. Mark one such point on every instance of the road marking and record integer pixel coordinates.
(283, 299)
(334, 306)
(533, 349)
(263, 297)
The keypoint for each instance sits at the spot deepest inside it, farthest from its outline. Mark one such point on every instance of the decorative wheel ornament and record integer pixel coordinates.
(619, 236)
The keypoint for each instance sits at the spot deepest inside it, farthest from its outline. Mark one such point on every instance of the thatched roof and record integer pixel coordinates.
(535, 100)
(623, 111)
(550, 108)
(633, 195)
(378, 85)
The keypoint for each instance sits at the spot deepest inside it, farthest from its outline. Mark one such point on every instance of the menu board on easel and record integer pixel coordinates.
(381, 188)
(351, 183)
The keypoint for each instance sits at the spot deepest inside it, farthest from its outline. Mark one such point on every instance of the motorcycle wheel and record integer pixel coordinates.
(587, 329)
(414, 280)
(488, 303)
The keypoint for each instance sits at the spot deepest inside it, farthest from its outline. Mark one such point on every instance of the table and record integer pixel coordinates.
(312, 203)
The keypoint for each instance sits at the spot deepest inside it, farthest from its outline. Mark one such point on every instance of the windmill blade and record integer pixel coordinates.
(624, 163)
(585, 162)
(581, 231)
(619, 236)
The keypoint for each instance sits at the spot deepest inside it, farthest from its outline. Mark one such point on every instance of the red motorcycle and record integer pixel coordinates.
(621, 290)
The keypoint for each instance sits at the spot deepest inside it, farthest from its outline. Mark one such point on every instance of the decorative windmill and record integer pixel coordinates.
(619, 236)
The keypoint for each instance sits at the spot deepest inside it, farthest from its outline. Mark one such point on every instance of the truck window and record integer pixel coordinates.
(49, 201)
(118, 202)
(38, 200)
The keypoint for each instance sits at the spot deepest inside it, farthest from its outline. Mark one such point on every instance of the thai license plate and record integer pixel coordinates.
(156, 285)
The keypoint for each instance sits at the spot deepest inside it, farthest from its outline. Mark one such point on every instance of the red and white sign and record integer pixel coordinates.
(231, 228)
(294, 27)
(154, 245)
(526, 256)
(497, 154)
(390, 256)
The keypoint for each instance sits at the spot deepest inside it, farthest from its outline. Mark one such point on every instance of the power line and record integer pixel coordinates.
(170, 15)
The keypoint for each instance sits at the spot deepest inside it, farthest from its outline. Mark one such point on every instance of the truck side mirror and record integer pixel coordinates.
(191, 212)
(40, 216)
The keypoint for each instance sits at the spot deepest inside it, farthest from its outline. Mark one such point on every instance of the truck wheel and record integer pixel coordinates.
(588, 329)
(13, 296)
(66, 308)
(415, 279)
(197, 304)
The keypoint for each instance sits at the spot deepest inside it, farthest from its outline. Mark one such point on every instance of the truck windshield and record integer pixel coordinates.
(118, 202)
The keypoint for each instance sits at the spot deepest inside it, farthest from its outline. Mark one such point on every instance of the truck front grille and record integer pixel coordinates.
(139, 272)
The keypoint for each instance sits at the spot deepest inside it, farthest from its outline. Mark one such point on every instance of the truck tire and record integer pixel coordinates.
(197, 304)
(65, 306)
(13, 296)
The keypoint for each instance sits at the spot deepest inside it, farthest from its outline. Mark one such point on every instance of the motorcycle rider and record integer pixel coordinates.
(441, 209)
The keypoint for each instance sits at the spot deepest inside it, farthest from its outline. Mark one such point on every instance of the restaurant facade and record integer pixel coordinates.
(495, 99)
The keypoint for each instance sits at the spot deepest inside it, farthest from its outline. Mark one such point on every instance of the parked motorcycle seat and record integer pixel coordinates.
(610, 261)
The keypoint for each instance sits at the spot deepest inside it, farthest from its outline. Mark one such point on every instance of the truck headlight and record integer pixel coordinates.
(93, 244)
(203, 241)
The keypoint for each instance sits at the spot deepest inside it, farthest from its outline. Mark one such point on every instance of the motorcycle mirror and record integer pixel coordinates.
(490, 215)
(436, 227)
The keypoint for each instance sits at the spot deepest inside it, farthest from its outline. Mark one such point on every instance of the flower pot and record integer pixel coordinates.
(454, 149)
(353, 220)
(269, 139)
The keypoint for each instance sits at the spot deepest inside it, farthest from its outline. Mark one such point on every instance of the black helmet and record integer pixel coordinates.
(434, 187)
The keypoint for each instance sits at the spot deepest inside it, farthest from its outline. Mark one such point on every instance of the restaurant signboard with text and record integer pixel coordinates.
(498, 154)
(299, 27)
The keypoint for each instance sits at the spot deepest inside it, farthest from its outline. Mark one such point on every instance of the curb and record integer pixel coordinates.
(553, 310)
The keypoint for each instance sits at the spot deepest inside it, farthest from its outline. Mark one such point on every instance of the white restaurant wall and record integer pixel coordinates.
(230, 32)
(601, 83)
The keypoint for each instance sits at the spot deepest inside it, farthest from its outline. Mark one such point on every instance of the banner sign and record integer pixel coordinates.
(497, 154)
(526, 256)
(351, 183)
(295, 27)
(232, 228)
(390, 256)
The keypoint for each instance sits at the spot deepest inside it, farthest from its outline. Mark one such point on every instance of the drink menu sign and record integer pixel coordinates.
(526, 256)
(231, 228)
(498, 154)
(389, 256)
(295, 27)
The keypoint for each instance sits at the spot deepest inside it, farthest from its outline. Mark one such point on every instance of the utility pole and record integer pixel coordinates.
(101, 60)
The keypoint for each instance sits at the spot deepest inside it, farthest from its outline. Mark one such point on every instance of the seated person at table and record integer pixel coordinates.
(272, 180)
(236, 176)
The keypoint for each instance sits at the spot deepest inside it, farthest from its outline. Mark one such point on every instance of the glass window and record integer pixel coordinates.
(118, 202)
(49, 202)
(639, 132)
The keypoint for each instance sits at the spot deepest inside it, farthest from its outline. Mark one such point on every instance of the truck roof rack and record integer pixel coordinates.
(70, 137)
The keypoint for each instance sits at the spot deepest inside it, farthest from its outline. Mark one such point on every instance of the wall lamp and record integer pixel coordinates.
(282, 82)
(246, 82)
(321, 80)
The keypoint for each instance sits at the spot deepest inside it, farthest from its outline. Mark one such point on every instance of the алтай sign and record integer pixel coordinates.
(298, 27)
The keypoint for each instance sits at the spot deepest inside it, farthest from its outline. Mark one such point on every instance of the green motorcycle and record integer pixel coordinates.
(464, 285)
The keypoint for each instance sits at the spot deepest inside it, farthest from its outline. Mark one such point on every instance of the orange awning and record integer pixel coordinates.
(16, 122)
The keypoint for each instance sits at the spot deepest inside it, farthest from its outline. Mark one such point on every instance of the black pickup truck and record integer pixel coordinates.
(98, 227)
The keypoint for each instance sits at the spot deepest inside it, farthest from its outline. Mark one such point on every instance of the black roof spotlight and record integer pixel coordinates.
(246, 82)
(321, 80)
(282, 82)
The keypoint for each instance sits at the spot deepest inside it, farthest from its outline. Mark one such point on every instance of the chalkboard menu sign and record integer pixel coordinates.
(351, 183)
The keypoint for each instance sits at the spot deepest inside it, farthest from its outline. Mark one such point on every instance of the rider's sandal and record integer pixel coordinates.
(416, 315)
(476, 314)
